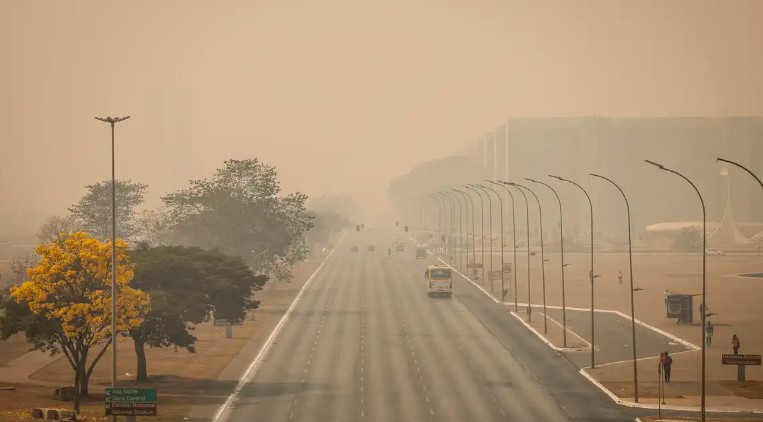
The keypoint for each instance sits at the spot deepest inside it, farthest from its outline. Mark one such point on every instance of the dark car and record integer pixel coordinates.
(354, 249)
(421, 253)
(371, 248)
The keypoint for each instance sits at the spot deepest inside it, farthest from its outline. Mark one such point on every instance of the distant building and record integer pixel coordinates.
(616, 147)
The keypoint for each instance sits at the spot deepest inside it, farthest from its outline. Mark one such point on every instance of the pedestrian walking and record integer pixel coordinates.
(667, 365)
(735, 343)
(666, 298)
(709, 333)
(620, 277)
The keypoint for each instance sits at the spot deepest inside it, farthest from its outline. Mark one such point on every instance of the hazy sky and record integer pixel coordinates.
(338, 95)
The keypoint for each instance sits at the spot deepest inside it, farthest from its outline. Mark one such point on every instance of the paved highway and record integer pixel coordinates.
(365, 343)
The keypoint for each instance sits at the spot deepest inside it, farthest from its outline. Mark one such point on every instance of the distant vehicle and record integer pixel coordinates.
(400, 247)
(421, 253)
(714, 252)
(371, 248)
(439, 281)
(354, 249)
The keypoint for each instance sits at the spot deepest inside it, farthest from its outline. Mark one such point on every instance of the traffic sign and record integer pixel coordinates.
(225, 323)
(494, 275)
(131, 401)
(729, 359)
(507, 268)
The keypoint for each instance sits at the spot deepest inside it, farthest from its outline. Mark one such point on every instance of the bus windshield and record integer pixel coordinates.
(439, 273)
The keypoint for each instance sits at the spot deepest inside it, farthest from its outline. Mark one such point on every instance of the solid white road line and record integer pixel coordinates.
(250, 371)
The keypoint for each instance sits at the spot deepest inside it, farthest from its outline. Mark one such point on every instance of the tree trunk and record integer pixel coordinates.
(140, 353)
(77, 378)
(84, 380)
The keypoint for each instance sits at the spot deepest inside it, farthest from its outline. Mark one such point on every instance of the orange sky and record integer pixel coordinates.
(339, 95)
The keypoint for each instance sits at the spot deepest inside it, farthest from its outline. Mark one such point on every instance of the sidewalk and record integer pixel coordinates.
(20, 369)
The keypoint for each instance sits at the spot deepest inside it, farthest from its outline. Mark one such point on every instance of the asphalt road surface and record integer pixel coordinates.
(365, 343)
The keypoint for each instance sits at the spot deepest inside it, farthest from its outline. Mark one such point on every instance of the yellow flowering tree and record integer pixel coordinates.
(69, 294)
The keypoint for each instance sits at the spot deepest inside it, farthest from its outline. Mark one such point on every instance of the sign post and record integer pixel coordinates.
(741, 361)
(228, 326)
(131, 402)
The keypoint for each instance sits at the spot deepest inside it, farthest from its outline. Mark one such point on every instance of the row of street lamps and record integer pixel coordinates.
(453, 195)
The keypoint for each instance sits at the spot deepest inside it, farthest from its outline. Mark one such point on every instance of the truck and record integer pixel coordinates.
(439, 281)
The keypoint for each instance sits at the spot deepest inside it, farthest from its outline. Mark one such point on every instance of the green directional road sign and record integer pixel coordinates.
(131, 401)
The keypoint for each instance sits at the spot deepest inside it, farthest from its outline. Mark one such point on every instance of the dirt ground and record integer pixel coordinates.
(182, 378)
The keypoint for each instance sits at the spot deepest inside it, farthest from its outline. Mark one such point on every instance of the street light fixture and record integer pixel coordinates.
(591, 274)
(542, 255)
(457, 251)
(561, 245)
(527, 215)
(452, 234)
(466, 211)
(440, 207)
(743, 168)
(500, 202)
(513, 241)
(112, 121)
(474, 246)
(630, 267)
(704, 279)
(482, 229)
(490, 214)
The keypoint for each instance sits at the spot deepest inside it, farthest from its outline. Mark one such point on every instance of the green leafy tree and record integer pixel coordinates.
(239, 211)
(187, 286)
(94, 209)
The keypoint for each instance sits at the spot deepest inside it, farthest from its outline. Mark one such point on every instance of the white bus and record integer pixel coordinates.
(439, 281)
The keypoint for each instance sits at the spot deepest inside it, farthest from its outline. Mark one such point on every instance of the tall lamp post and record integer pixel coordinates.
(592, 275)
(542, 254)
(474, 245)
(490, 214)
(451, 252)
(439, 213)
(561, 239)
(466, 212)
(458, 250)
(482, 229)
(513, 241)
(500, 201)
(630, 267)
(527, 215)
(704, 280)
(113, 121)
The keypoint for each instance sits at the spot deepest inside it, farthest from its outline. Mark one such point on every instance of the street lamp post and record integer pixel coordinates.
(482, 229)
(474, 245)
(542, 255)
(704, 280)
(459, 258)
(490, 213)
(514, 242)
(466, 212)
(439, 213)
(630, 267)
(112, 121)
(527, 206)
(500, 201)
(561, 239)
(592, 275)
(451, 251)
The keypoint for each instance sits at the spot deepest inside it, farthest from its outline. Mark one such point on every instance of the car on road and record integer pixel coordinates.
(400, 247)
(421, 253)
(714, 252)
(371, 248)
(354, 249)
